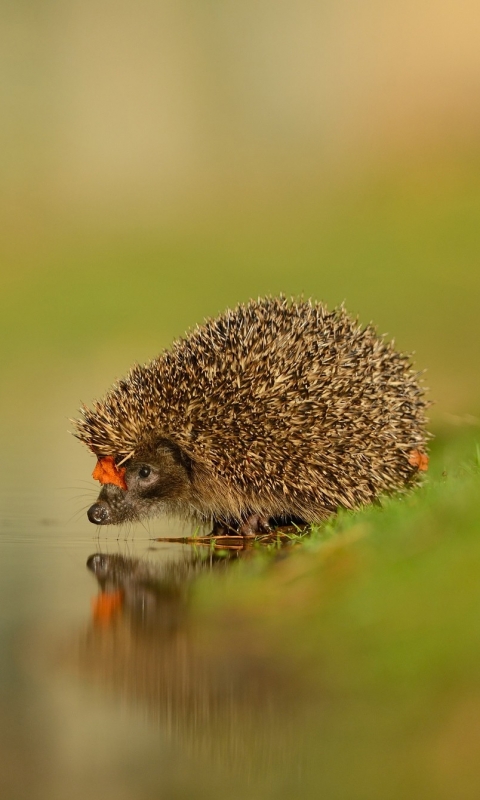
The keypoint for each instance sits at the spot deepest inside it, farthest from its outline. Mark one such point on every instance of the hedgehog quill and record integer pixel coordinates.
(275, 410)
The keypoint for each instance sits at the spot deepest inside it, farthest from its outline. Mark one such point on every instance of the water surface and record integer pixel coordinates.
(107, 687)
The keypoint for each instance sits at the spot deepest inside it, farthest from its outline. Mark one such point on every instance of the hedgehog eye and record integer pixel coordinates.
(144, 472)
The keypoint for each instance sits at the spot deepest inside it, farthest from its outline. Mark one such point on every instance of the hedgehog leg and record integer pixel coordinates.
(249, 528)
(253, 525)
(223, 527)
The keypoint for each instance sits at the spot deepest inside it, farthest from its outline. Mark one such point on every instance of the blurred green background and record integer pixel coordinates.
(160, 161)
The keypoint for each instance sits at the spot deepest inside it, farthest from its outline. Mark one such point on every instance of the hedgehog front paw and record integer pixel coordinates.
(253, 525)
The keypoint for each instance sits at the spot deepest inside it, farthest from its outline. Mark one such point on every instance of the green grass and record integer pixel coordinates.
(378, 612)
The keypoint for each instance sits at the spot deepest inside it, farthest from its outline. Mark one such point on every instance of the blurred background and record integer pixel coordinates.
(160, 161)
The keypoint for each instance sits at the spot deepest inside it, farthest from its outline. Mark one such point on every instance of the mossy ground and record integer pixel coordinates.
(379, 612)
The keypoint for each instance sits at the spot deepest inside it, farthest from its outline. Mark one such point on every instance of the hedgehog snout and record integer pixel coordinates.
(99, 514)
(110, 507)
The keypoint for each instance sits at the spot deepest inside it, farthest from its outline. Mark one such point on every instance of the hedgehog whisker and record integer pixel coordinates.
(77, 513)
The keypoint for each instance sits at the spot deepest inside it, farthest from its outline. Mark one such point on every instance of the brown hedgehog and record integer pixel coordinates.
(276, 410)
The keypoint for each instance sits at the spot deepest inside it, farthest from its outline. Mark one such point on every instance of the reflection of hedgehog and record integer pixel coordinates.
(275, 409)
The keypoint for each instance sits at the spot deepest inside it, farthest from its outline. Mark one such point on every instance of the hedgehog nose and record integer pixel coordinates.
(98, 514)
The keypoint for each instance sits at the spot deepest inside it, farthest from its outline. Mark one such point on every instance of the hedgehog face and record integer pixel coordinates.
(157, 481)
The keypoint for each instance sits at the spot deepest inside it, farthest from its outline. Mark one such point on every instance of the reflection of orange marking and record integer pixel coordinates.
(106, 471)
(105, 606)
(419, 460)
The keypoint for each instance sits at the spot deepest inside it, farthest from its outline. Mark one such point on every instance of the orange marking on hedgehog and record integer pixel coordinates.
(105, 606)
(419, 460)
(106, 471)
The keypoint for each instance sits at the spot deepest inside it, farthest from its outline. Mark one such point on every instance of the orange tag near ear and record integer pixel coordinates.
(419, 460)
(106, 471)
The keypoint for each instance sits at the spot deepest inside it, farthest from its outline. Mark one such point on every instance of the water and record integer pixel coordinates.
(107, 687)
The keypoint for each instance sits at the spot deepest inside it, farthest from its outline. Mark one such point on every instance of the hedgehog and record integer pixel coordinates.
(277, 410)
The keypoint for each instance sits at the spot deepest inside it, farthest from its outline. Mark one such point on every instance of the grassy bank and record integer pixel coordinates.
(378, 614)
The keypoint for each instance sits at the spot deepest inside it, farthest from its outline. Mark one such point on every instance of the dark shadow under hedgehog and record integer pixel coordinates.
(275, 410)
